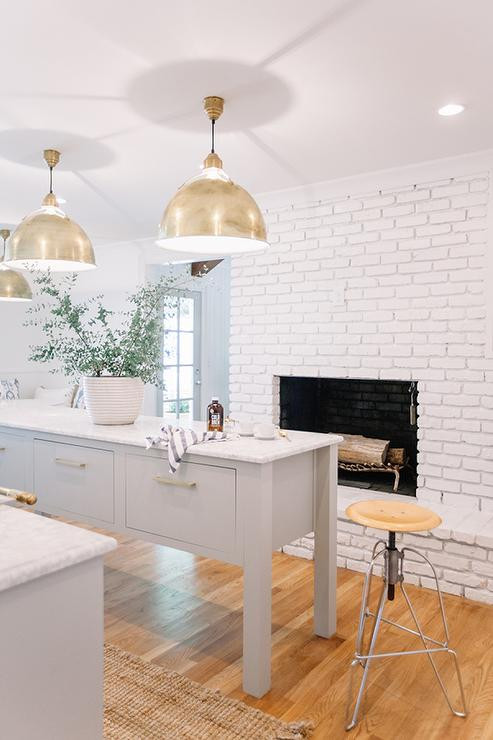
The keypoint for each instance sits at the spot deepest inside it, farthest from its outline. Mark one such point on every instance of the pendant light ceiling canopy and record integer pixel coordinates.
(210, 215)
(47, 239)
(13, 285)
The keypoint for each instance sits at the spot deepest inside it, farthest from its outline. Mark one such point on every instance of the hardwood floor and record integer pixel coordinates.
(184, 613)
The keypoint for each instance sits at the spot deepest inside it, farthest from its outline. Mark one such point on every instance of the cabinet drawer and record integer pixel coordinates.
(74, 479)
(12, 461)
(196, 505)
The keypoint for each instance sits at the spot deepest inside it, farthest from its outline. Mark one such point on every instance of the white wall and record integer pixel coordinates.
(14, 349)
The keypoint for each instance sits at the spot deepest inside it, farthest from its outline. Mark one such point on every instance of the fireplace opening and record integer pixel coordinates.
(378, 419)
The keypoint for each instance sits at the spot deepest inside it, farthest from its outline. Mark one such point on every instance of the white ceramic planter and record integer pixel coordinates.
(111, 400)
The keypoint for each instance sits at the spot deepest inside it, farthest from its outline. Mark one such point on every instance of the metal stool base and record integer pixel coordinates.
(392, 576)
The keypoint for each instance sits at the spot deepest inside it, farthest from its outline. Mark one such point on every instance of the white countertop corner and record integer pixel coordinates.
(32, 546)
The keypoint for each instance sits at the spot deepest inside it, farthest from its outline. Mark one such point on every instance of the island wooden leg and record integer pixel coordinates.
(325, 553)
(256, 493)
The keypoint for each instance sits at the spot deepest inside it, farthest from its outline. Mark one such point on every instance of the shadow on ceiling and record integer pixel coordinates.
(171, 95)
(25, 146)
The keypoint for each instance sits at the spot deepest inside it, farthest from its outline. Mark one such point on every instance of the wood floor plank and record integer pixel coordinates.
(185, 613)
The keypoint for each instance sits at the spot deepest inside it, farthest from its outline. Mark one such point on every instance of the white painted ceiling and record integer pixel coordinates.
(314, 90)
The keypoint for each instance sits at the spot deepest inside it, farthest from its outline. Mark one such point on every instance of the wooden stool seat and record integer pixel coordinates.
(394, 516)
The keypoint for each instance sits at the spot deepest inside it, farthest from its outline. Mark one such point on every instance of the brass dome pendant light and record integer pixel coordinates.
(210, 215)
(47, 239)
(13, 285)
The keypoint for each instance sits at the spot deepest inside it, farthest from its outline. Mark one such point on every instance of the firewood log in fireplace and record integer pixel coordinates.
(359, 449)
(396, 456)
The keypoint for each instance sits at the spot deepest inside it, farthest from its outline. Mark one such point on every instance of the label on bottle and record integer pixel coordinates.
(215, 419)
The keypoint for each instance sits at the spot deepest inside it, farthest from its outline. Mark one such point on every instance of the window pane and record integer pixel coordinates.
(169, 380)
(186, 348)
(185, 407)
(169, 347)
(170, 313)
(186, 314)
(186, 382)
(169, 407)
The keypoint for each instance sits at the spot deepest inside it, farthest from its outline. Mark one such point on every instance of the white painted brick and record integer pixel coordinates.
(422, 542)
(379, 201)
(465, 579)
(445, 586)
(454, 562)
(393, 210)
(357, 565)
(436, 204)
(348, 206)
(482, 568)
(419, 568)
(355, 553)
(466, 551)
(472, 224)
(469, 199)
(351, 527)
(300, 552)
(479, 595)
(449, 190)
(447, 217)
(413, 195)
(478, 186)
(411, 579)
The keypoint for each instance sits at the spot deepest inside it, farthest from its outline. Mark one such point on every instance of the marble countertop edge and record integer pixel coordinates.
(32, 546)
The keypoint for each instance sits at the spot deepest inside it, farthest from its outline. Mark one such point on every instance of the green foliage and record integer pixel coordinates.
(85, 338)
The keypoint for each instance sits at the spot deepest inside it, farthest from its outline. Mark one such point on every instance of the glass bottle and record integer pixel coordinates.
(215, 416)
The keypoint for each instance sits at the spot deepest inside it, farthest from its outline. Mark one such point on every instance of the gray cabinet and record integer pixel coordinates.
(74, 480)
(12, 461)
(197, 505)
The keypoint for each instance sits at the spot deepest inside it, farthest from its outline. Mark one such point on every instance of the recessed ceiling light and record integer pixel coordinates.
(451, 109)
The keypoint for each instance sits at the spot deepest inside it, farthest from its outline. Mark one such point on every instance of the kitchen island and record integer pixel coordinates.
(235, 500)
(51, 641)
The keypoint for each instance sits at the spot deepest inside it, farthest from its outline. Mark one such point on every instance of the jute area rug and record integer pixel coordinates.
(146, 702)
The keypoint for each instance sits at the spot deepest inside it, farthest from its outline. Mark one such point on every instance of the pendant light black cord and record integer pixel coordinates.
(213, 124)
(51, 179)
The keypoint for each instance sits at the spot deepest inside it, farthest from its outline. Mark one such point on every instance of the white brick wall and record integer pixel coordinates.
(389, 284)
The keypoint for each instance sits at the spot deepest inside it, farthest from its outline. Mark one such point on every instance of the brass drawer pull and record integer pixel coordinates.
(3, 449)
(172, 482)
(70, 463)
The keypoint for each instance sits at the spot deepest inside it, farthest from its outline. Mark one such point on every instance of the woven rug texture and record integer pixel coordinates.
(146, 702)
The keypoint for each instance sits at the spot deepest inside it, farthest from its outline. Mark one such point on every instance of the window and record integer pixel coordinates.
(181, 351)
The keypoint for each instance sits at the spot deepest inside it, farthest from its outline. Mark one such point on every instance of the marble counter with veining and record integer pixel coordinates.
(33, 416)
(32, 546)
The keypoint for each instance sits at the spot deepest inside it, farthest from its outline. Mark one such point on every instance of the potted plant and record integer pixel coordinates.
(114, 353)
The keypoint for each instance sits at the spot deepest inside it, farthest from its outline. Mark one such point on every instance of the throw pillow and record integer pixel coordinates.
(9, 389)
(54, 396)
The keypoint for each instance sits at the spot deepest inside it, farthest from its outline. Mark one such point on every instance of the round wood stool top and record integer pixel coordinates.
(394, 516)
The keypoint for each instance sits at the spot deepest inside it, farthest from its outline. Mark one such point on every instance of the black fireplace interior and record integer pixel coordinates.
(381, 409)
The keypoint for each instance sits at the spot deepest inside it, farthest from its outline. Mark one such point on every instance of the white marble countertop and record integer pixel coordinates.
(32, 546)
(33, 416)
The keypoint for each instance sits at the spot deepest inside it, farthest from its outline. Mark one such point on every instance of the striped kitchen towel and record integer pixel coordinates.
(177, 440)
